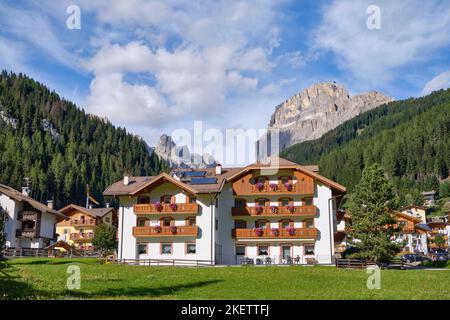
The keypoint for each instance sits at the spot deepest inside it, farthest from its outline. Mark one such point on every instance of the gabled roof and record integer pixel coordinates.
(413, 206)
(408, 217)
(423, 227)
(280, 163)
(18, 196)
(164, 177)
(94, 212)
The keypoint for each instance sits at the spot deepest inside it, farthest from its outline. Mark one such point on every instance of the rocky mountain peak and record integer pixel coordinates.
(316, 110)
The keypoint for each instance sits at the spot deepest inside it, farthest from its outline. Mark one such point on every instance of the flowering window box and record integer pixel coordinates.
(291, 208)
(158, 229)
(290, 231)
(158, 206)
(288, 186)
(259, 232)
(173, 206)
(275, 232)
(173, 229)
(260, 186)
(258, 209)
(273, 186)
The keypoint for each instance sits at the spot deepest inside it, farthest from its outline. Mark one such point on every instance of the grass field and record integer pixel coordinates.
(46, 279)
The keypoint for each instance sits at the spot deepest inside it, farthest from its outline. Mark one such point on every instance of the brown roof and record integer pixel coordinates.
(94, 212)
(18, 196)
(286, 164)
(408, 217)
(413, 206)
(137, 184)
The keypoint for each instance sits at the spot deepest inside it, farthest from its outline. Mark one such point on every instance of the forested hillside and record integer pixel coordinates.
(410, 139)
(60, 147)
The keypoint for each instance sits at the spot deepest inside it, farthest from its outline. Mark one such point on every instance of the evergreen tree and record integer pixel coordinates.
(372, 220)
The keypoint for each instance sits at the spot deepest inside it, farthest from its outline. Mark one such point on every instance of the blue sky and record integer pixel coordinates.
(153, 66)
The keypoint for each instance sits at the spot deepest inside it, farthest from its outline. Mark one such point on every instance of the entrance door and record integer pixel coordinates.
(286, 251)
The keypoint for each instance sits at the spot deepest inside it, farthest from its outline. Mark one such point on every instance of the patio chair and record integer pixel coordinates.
(268, 260)
(297, 260)
(259, 261)
(289, 260)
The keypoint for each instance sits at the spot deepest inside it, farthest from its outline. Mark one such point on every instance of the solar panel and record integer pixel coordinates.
(194, 173)
(203, 180)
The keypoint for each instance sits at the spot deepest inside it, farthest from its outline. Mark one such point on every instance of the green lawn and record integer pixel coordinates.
(46, 279)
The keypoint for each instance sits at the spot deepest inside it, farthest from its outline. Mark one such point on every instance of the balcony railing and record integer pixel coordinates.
(82, 236)
(165, 208)
(276, 233)
(273, 188)
(165, 231)
(27, 216)
(83, 223)
(26, 233)
(302, 211)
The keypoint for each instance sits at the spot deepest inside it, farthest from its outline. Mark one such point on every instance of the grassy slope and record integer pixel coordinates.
(46, 279)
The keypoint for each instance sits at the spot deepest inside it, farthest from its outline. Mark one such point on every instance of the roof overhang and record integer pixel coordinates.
(160, 179)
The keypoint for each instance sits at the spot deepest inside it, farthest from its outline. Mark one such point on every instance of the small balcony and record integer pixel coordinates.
(271, 211)
(27, 216)
(275, 233)
(142, 232)
(26, 233)
(83, 223)
(162, 208)
(84, 236)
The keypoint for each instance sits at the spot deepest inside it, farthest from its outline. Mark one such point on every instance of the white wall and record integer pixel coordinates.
(325, 243)
(48, 221)
(12, 209)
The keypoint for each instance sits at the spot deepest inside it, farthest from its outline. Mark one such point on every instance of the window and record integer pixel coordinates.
(166, 199)
(309, 249)
(217, 225)
(66, 231)
(240, 203)
(261, 179)
(285, 179)
(308, 224)
(191, 248)
(260, 223)
(262, 202)
(285, 224)
(142, 248)
(107, 220)
(166, 222)
(142, 222)
(240, 250)
(286, 251)
(285, 202)
(263, 250)
(143, 199)
(191, 221)
(166, 248)
(308, 201)
(240, 224)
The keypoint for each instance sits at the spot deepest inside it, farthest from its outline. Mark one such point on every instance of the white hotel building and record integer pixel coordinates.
(258, 213)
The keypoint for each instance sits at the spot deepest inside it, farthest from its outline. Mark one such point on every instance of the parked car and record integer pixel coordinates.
(439, 255)
(413, 257)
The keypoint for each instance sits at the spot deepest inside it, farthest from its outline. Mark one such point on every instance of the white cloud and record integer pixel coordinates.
(441, 81)
(410, 31)
(221, 49)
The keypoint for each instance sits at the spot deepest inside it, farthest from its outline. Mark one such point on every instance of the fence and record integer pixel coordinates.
(166, 262)
(12, 253)
(351, 263)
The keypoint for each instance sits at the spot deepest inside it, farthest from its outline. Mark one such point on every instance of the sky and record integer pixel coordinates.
(156, 66)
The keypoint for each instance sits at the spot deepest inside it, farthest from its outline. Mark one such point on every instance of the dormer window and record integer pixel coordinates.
(143, 200)
(166, 199)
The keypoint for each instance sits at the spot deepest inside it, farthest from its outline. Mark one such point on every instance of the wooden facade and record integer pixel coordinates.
(268, 211)
(166, 208)
(270, 233)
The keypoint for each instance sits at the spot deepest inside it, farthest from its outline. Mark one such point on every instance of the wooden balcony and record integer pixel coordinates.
(85, 236)
(26, 233)
(267, 233)
(83, 223)
(296, 211)
(27, 216)
(140, 232)
(299, 188)
(181, 208)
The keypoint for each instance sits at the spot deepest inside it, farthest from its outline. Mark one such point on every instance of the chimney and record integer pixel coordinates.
(218, 169)
(50, 204)
(25, 191)
(126, 180)
(90, 206)
(107, 204)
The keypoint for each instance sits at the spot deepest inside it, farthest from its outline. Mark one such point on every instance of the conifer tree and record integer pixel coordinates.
(372, 218)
